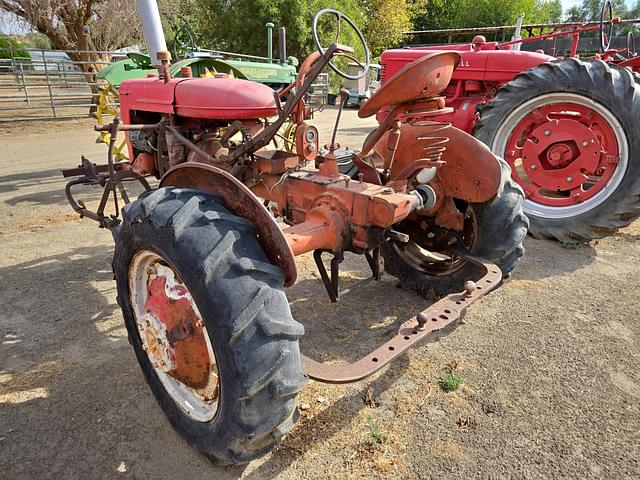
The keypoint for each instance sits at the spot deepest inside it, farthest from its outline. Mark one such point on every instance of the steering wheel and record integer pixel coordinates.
(631, 45)
(183, 42)
(339, 17)
(605, 38)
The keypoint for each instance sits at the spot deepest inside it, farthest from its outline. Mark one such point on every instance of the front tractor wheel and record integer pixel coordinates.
(209, 322)
(493, 230)
(570, 131)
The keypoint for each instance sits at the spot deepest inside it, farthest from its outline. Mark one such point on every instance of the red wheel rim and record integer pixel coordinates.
(173, 335)
(562, 153)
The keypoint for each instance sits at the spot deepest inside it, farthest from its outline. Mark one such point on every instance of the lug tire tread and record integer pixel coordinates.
(241, 298)
(615, 87)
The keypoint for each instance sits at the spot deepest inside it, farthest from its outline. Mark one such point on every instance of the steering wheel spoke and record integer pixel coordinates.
(605, 37)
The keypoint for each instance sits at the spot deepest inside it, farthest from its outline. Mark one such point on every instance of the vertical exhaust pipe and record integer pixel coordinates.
(154, 34)
(518, 34)
(282, 45)
(270, 41)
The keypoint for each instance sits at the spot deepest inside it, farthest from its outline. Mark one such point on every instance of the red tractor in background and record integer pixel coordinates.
(569, 128)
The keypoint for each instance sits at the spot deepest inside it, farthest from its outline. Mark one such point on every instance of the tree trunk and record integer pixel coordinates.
(90, 63)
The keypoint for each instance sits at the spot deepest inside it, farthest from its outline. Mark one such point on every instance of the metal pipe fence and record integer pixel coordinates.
(47, 85)
(50, 85)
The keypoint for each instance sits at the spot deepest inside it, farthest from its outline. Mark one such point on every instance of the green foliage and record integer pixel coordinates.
(590, 10)
(36, 40)
(386, 20)
(18, 49)
(545, 11)
(450, 382)
(376, 436)
(441, 14)
(239, 26)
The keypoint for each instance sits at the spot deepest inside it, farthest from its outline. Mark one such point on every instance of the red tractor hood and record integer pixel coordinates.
(210, 98)
(486, 64)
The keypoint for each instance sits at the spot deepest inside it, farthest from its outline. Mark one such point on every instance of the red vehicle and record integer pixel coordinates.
(201, 264)
(569, 128)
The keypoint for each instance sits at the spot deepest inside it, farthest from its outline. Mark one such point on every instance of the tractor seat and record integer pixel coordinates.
(425, 77)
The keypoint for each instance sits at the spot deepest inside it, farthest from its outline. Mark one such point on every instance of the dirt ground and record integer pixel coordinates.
(550, 362)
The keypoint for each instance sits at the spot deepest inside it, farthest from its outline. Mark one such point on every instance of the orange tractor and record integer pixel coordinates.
(201, 262)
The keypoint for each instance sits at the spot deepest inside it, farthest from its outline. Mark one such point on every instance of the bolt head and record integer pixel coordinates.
(533, 166)
(469, 286)
(547, 133)
(569, 179)
(585, 143)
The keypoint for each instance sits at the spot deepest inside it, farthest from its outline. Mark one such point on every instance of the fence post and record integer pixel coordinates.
(24, 84)
(13, 64)
(46, 74)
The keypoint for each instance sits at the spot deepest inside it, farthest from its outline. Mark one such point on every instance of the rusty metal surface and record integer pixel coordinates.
(177, 344)
(241, 201)
(471, 172)
(423, 78)
(366, 207)
(442, 314)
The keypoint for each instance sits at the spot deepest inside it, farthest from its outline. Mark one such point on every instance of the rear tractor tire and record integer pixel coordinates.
(570, 131)
(494, 230)
(209, 322)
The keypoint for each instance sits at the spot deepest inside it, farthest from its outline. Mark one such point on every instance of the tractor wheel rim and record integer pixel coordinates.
(563, 176)
(173, 336)
(432, 261)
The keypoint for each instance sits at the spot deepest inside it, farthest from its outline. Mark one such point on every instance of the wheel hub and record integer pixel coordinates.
(173, 335)
(555, 161)
(560, 155)
(566, 155)
(173, 330)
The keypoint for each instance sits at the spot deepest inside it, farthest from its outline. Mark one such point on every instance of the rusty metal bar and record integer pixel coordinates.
(436, 318)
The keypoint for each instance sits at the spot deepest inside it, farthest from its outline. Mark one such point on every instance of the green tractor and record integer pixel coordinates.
(198, 62)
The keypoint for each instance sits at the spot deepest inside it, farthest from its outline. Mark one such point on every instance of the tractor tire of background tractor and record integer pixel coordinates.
(239, 296)
(499, 228)
(587, 184)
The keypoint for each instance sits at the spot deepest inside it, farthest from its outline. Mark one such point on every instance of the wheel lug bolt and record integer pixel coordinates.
(569, 179)
(431, 235)
(533, 166)
(585, 143)
(547, 133)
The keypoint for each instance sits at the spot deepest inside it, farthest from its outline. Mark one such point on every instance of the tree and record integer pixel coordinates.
(440, 14)
(82, 28)
(547, 11)
(239, 25)
(574, 14)
(386, 21)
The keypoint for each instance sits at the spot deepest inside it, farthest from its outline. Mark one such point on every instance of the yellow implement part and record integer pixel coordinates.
(107, 108)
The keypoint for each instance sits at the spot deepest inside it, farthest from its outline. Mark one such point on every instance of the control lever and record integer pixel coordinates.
(344, 96)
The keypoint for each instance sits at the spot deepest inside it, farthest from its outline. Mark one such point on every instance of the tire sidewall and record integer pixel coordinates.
(132, 241)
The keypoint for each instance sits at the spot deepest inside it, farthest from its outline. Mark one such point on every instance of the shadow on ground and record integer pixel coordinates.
(73, 382)
(535, 264)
